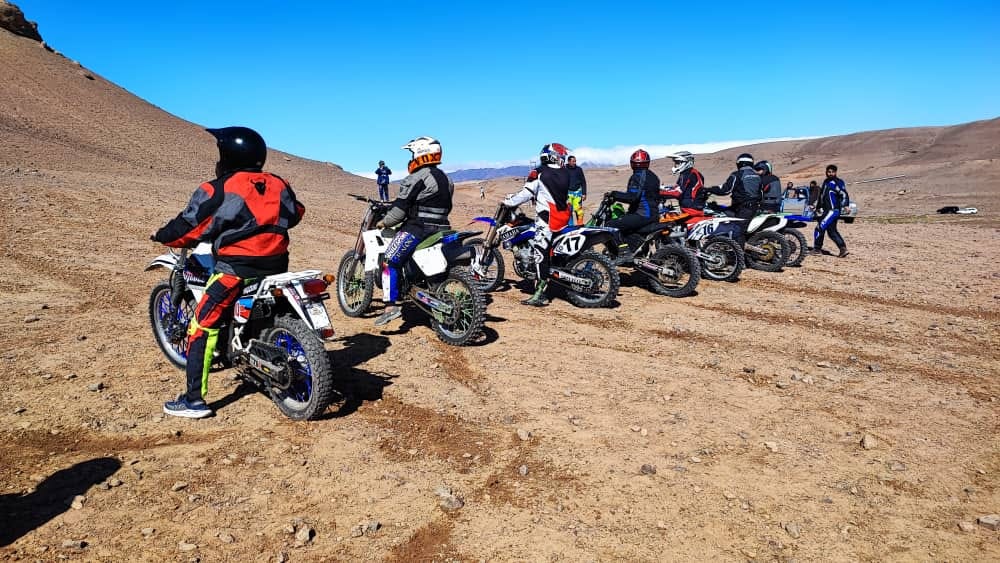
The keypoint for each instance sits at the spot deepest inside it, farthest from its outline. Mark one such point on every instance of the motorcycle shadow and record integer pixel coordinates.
(527, 287)
(357, 386)
(414, 318)
(638, 281)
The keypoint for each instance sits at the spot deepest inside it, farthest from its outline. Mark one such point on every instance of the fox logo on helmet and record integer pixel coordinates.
(425, 151)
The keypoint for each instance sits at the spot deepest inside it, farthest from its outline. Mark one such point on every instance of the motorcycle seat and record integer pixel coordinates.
(651, 228)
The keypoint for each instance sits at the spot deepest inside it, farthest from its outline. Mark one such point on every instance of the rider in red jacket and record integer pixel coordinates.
(245, 214)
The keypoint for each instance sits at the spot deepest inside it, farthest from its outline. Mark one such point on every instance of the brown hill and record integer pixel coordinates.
(844, 410)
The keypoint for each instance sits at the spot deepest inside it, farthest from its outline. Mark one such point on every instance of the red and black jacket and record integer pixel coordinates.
(246, 216)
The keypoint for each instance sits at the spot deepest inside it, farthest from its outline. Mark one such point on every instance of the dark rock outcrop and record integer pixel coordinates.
(12, 19)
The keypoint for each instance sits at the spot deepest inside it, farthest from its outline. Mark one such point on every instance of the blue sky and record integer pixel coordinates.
(351, 82)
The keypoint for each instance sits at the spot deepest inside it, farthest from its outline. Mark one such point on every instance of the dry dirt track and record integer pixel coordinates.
(722, 393)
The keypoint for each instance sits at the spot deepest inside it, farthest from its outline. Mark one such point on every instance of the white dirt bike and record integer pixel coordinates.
(275, 337)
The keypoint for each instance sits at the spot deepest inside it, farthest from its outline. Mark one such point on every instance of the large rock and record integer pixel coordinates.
(12, 19)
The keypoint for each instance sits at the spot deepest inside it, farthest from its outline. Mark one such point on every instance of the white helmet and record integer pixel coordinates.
(683, 160)
(424, 151)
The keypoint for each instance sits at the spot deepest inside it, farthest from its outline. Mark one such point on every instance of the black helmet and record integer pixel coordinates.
(745, 159)
(763, 166)
(240, 148)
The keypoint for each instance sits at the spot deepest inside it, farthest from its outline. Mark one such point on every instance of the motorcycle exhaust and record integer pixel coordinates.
(432, 303)
(269, 361)
(567, 279)
(648, 266)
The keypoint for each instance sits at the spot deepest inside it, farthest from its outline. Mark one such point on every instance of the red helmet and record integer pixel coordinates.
(553, 153)
(639, 160)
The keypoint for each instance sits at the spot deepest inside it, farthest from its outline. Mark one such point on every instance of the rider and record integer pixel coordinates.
(690, 190)
(832, 198)
(245, 213)
(382, 175)
(420, 210)
(770, 187)
(643, 196)
(549, 189)
(744, 187)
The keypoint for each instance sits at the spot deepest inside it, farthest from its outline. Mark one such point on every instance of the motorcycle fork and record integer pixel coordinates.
(359, 244)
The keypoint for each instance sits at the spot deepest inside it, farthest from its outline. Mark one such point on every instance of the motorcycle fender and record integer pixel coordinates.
(168, 261)
(431, 260)
(488, 220)
(796, 224)
(375, 245)
(769, 223)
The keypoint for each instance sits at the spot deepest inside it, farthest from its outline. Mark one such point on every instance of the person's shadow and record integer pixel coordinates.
(20, 514)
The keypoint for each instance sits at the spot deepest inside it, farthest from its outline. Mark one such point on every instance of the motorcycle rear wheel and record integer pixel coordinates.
(686, 268)
(602, 272)
(766, 251)
(354, 285)
(468, 316)
(170, 329)
(311, 388)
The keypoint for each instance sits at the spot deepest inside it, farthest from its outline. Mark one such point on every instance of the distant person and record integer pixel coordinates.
(743, 186)
(832, 199)
(642, 194)
(789, 185)
(382, 174)
(813, 192)
(577, 191)
(246, 214)
(420, 210)
(770, 187)
(482, 191)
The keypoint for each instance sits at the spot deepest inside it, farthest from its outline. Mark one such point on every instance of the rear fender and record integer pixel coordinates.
(488, 220)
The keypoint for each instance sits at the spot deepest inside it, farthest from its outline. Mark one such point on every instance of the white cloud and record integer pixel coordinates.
(620, 154)
(612, 156)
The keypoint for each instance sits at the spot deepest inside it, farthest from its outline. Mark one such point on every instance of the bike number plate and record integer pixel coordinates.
(570, 244)
(318, 315)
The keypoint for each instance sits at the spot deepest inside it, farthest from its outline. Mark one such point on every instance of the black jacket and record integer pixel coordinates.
(577, 181)
(643, 195)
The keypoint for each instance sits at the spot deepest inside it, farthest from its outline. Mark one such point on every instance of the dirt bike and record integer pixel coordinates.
(669, 269)
(765, 248)
(275, 337)
(589, 278)
(434, 278)
(710, 240)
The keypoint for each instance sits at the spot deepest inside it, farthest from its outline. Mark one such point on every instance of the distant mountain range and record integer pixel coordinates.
(475, 174)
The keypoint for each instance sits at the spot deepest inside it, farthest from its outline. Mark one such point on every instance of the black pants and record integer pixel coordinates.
(746, 211)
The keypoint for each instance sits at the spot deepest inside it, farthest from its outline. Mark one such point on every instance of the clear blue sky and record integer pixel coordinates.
(350, 82)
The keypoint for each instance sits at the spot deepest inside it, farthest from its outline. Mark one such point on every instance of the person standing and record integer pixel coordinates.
(577, 191)
(246, 214)
(382, 174)
(832, 198)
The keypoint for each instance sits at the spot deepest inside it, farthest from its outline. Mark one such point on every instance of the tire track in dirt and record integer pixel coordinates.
(457, 366)
(973, 347)
(771, 287)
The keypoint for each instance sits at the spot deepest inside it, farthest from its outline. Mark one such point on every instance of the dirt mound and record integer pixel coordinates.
(12, 19)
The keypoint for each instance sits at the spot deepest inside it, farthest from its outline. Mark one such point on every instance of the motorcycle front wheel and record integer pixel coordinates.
(170, 325)
(487, 270)
(468, 315)
(797, 246)
(604, 279)
(310, 387)
(722, 259)
(354, 285)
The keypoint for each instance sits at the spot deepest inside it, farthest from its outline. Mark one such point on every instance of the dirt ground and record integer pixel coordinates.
(845, 410)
